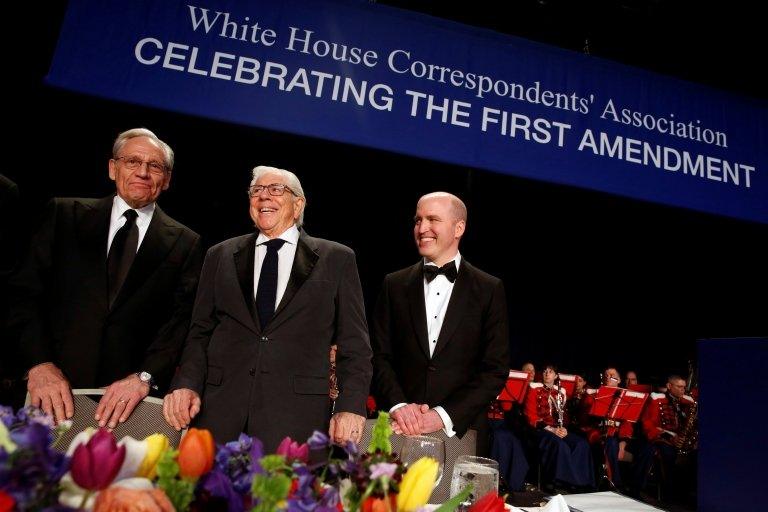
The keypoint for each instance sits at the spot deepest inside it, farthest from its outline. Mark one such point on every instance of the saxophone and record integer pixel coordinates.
(688, 438)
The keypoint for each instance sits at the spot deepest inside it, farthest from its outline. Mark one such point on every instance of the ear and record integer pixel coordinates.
(167, 180)
(298, 207)
(458, 230)
(112, 169)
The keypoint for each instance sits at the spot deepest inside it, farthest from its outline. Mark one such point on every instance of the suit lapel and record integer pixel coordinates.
(92, 224)
(303, 262)
(418, 309)
(158, 241)
(244, 257)
(456, 306)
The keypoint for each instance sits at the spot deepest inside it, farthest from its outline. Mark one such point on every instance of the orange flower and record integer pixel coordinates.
(196, 453)
(372, 504)
(119, 499)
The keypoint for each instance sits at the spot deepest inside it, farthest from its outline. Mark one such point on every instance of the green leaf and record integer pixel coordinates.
(453, 503)
(272, 463)
(167, 467)
(181, 492)
(270, 490)
(381, 434)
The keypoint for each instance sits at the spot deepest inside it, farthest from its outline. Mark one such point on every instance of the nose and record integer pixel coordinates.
(143, 169)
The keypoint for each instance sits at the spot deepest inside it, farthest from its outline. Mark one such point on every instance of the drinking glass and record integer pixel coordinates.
(416, 447)
(482, 473)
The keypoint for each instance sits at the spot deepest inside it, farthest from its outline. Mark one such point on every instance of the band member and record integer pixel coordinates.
(608, 437)
(565, 458)
(669, 424)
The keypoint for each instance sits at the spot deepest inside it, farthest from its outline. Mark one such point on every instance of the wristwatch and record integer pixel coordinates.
(147, 377)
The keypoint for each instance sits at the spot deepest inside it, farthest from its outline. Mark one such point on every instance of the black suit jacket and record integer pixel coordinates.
(471, 358)
(275, 383)
(61, 311)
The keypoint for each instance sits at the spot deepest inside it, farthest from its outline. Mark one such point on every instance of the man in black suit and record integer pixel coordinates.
(440, 333)
(269, 306)
(105, 294)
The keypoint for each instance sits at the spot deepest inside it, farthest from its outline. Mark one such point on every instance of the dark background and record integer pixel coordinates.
(591, 279)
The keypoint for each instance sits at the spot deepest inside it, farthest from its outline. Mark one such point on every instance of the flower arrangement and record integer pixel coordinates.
(100, 474)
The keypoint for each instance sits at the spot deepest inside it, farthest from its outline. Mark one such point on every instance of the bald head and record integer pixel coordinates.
(457, 207)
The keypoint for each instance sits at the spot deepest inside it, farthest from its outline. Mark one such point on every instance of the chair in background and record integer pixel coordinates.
(146, 419)
(454, 447)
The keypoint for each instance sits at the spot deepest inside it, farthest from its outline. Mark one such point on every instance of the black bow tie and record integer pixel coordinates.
(448, 270)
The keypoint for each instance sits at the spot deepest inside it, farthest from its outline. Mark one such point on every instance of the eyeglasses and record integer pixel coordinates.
(133, 162)
(275, 189)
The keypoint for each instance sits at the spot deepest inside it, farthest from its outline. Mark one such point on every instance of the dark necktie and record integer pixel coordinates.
(448, 270)
(266, 292)
(121, 254)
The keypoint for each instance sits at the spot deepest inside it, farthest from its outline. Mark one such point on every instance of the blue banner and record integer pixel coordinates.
(381, 77)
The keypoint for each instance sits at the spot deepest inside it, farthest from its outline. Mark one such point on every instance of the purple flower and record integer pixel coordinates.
(329, 500)
(351, 449)
(350, 466)
(218, 485)
(30, 414)
(293, 451)
(382, 469)
(239, 461)
(318, 441)
(31, 474)
(7, 416)
(33, 436)
(96, 463)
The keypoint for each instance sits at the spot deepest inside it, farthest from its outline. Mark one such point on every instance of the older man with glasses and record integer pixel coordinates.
(270, 305)
(105, 294)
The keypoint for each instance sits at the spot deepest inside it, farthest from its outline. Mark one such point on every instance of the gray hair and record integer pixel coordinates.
(291, 180)
(143, 132)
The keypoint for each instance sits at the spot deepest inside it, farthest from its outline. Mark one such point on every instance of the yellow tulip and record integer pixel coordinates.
(156, 445)
(416, 485)
(5, 439)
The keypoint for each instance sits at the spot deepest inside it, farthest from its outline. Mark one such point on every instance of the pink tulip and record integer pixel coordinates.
(96, 463)
(292, 450)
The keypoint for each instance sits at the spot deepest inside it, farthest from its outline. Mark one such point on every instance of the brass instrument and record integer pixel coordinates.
(688, 438)
(559, 403)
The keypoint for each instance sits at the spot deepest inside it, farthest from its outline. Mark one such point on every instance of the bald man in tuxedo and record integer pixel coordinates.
(440, 331)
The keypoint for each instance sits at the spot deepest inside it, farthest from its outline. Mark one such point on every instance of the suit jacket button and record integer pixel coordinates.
(431, 368)
(252, 372)
(264, 338)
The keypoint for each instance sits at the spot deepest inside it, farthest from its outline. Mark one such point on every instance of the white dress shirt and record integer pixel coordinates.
(285, 257)
(117, 219)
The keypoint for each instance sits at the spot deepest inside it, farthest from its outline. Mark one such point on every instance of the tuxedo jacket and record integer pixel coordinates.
(61, 309)
(470, 363)
(273, 383)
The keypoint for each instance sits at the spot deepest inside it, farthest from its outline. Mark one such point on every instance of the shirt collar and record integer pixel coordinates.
(119, 207)
(290, 235)
(456, 260)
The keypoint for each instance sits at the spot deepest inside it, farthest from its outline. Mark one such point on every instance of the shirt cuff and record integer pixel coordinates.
(447, 423)
(396, 407)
